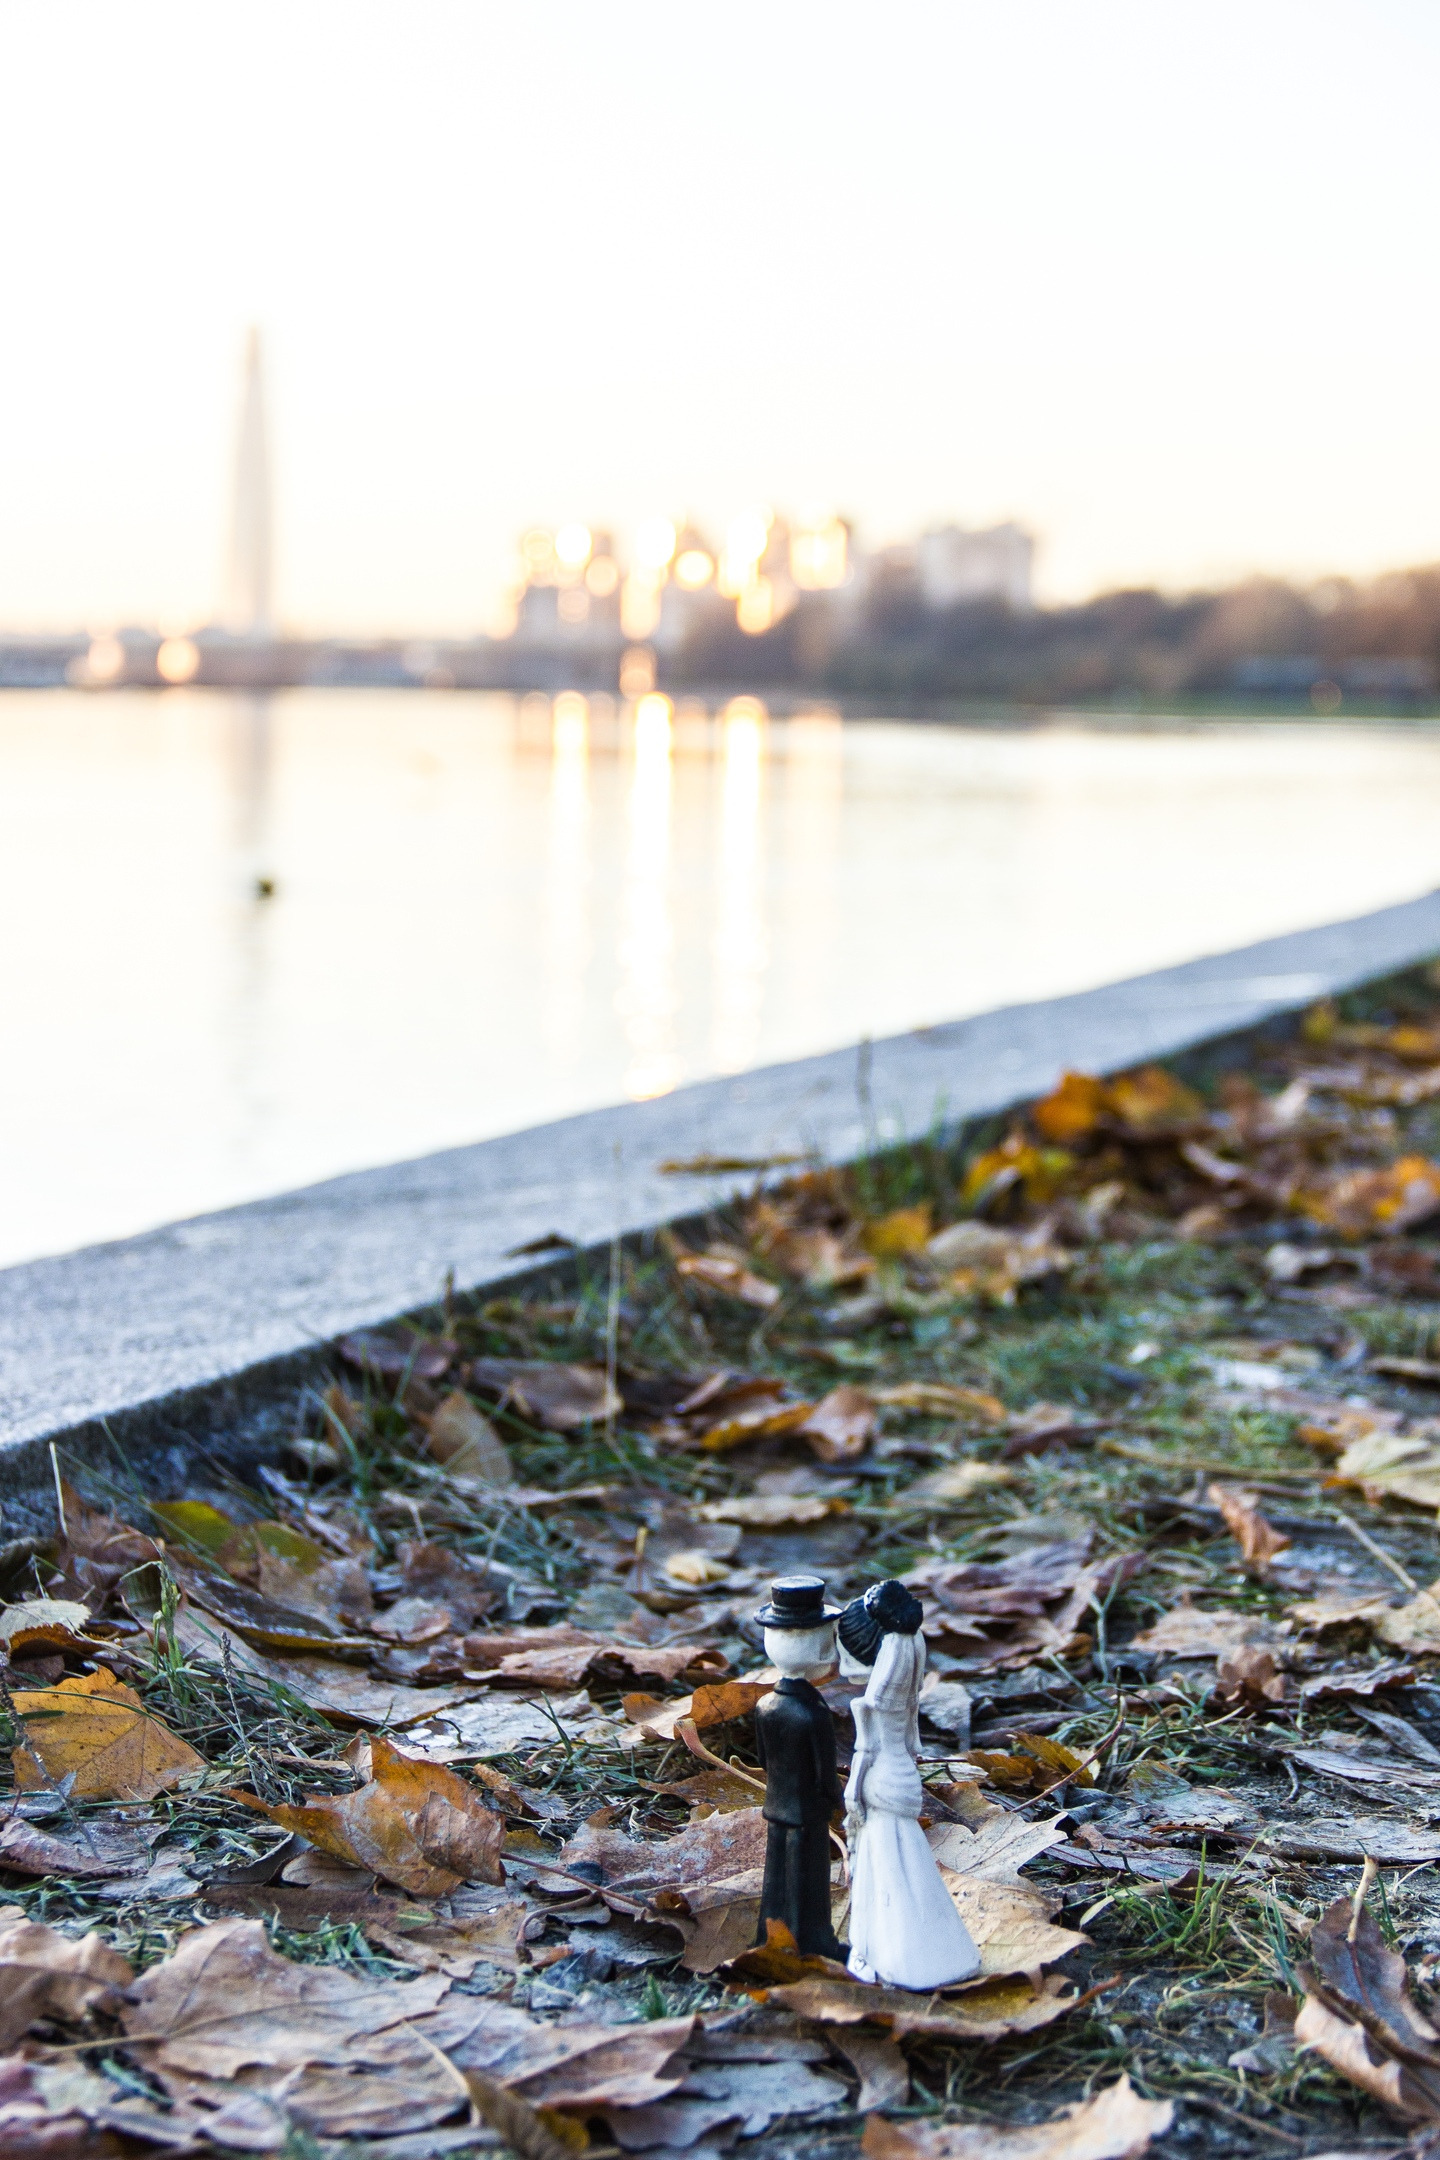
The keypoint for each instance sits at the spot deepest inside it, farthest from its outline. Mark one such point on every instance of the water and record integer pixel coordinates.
(488, 911)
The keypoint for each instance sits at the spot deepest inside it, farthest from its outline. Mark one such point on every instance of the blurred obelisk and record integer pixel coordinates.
(251, 535)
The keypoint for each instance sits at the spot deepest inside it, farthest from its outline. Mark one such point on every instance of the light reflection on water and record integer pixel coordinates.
(488, 912)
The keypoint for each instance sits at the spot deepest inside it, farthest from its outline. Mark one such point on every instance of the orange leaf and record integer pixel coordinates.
(1257, 1540)
(416, 1823)
(723, 1700)
(1073, 1111)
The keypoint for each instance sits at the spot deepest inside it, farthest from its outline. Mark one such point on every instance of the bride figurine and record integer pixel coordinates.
(904, 1928)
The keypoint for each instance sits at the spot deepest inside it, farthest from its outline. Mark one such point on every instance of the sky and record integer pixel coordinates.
(1158, 281)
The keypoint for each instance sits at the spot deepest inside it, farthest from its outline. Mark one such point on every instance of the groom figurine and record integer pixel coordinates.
(797, 1752)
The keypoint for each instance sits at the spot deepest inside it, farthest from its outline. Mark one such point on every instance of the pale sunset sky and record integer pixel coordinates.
(1158, 280)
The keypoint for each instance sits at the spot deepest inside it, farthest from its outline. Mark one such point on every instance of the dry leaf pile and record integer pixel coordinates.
(406, 1792)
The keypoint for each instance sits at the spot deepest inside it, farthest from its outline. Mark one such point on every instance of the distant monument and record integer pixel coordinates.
(251, 596)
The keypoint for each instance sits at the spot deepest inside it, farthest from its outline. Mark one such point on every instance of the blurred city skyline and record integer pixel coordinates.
(1149, 284)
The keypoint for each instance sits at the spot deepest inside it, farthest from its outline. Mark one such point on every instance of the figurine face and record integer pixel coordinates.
(802, 1653)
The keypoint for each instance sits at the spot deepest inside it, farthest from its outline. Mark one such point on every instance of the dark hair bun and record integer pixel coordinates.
(887, 1608)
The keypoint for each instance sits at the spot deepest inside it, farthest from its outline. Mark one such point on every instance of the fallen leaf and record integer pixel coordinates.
(1413, 1627)
(415, 1822)
(1353, 1837)
(719, 1848)
(225, 2003)
(98, 1729)
(1275, 2049)
(44, 1974)
(1037, 1173)
(1360, 2015)
(1390, 1465)
(731, 1277)
(1054, 1756)
(495, 1724)
(412, 1620)
(841, 1425)
(978, 1258)
(55, 2112)
(987, 2010)
(1248, 1674)
(772, 1511)
(458, 1945)
(1354, 1768)
(336, 2054)
(904, 1230)
(1189, 1632)
(878, 2062)
(954, 1484)
(1408, 1368)
(1332, 1426)
(695, 1567)
(935, 1398)
(821, 1258)
(744, 2097)
(562, 1398)
(464, 1440)
(1043, 1426)
(465, 1586)
(708, 1706)
(44, 1623)
(402, 1355)
(263, 1620)
(1115, 2124)
(1257, 1540)
(1359, 1203)
(946, 1704)
(763, 1420)
(352, 1697)
(95, 1849)
(1339, 1608)
(1073, 1110)
(1009, 1925)
(715, 1791)
(523, 2128)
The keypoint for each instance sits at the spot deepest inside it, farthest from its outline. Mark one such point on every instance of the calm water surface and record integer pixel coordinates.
(485, 911)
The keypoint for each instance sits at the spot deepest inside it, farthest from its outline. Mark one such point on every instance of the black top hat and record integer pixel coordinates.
(797, 1601)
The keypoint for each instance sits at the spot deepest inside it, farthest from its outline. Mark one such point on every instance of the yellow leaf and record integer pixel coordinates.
(1055, 1756)
(760, 1423)
(904, 1230)
(1152, 1098)
(98, 1728)
(935, 1398)
(197, 1525)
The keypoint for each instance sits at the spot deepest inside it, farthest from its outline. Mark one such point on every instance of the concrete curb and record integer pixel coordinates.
(194, 1339)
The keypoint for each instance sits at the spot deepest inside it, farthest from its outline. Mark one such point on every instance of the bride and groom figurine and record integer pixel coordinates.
(904, 1928)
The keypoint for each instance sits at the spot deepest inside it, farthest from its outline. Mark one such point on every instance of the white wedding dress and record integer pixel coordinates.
(904, 1928)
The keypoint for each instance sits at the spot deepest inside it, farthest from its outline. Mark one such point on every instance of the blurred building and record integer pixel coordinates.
(570, 591)
(954, 564)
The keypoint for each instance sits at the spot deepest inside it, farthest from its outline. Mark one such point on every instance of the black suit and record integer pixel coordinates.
(797, 1750)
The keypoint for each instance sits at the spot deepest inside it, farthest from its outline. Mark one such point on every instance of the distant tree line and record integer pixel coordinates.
(1335, 642)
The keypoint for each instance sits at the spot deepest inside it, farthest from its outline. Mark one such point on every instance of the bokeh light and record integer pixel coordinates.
(655, 543)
